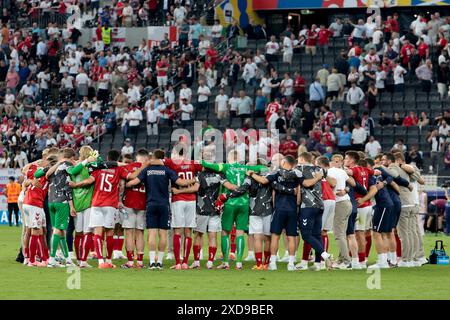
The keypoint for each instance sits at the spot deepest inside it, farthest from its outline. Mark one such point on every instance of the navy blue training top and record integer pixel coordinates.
(156, 180)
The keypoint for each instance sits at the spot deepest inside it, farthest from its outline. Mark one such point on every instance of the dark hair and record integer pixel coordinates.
(354, 155)
(323, 161)
(12, 178)
(390, 157)
(113, 155)
(306, 156)
(142, 152)
(290, 160)
(158, 154)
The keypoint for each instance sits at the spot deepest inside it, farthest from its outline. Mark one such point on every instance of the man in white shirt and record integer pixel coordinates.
(82, 82)
(233, 103)
(127, 148)
(272, 48)
(354, 96)
(153, 116)
(399, 80)
(186, 110)
(134, 120)
(373, 147)
(127, 15)
(20, 159)
(44, 79)
(185, 92)
(67, 82)
(216, 32)
(169, 95)
(203, 45)
(359, 136)
(203, 95)
(336, 28)
(288, 50)
(249, 73)
(221, 106)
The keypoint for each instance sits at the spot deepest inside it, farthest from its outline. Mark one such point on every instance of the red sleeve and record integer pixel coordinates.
(124, 172)
(168, 163)
(369, 171)
(95, 174)
(198, 167)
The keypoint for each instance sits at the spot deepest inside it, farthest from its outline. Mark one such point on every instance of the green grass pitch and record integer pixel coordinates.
(20, 282)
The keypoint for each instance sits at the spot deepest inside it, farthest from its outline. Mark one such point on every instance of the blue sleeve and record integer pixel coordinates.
(386, 176)
(360, 189)
(142, 175)
(372, 181)
(172, 175)
(272, 177)
(401, 182)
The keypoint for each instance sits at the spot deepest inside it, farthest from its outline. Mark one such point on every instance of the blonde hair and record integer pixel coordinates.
(337, 157)
(85, 152)
(49, 151)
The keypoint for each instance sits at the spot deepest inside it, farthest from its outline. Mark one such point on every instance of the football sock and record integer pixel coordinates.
(78, 245)
(266, 257)
(225, 244)
(176, 247)
(187, 249)
(63, 246)
(130, 256)
(355, 260)
(325, 242)
(54, 245)
(109, 246)
(160, 257)
(233, 240)
(273, 258)
(368, 244)
(399, 246)
(291, 259)
(392, 257)
(98, 245)
(240, 242)
(196, 253)
(251, 253)
(26, 251)
(44, 246)
(116, 242)
(40, 249)
(306, 251)
(120, 240)
(362, 256)
(140, 256)
(33, 248)
(211, 253)
(258, 258)
(152, 255)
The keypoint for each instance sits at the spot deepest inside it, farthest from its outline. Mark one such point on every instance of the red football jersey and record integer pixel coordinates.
(134, 197)
(361, 176)
(272, 108)
(327, 192)
(31, 170)
(106, 187)
(185, 170)
(35, 196)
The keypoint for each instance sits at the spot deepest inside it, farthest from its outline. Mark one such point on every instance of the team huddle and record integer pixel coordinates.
(178, 200)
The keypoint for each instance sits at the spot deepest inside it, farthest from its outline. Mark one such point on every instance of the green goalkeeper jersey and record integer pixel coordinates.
(82, 197)
(235, 174)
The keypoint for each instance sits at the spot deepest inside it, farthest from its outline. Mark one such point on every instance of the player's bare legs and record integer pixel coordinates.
(353, 246)
(152, 245)
(26, 245)
(162, 244)
(361, 241)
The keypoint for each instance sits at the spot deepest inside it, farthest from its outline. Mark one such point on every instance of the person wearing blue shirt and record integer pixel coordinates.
(260, 104)
(157, 179)
(316, 94)
(111, 122)
(196, 30)
(344, 139)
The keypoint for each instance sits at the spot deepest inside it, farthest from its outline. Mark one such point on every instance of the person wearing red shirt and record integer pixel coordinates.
(406, 52)
(162, 66)
(33, 209)
(330, 139)
(68, 127)
(311, 41)
(212, 54)
(289, 147)
(423, 49)
(105, 202)
(323, 39)
(299, 88)
(272, 108)
(410, 120)
(119, 9)
(363, 217)
(134, 203)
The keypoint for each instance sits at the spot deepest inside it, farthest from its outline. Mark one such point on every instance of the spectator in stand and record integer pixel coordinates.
(288, 49)
(336, 28)
(323, 39)
(397, 120)
(260, 104)
(299, 88)
(311, 41)
(216, 32)
(334, 85)
(221, 105)
(359, 136)
(288, 146)
(359, 32)
(203, 93)
(127, 149)
(373, 147)
(384, 121)
(372, 96)
(423, 120)
(410, 120)
(316, 95)
(272, 48)
(355, 96)
(443, 79)
(186, 110)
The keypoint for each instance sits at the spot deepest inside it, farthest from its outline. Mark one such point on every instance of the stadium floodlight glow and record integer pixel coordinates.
(289, 17)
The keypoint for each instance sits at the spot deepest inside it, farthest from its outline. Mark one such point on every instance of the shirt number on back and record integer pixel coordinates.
(105, 182)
